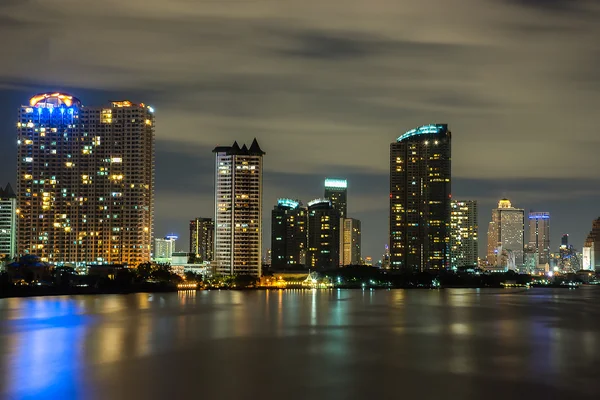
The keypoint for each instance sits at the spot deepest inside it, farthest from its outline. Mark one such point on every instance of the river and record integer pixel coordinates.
(337, 344)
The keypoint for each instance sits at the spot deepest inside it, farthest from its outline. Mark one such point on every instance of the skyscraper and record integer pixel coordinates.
(238, 209)
(564, 240)
(420, 184)
(350, 242)
(85, 181)
(288, 234)
(202, 233)
(591, 248)
(539, 235)
(8, 222)
(505, 236)
(323, 235)
(464, 240)
(336, 190)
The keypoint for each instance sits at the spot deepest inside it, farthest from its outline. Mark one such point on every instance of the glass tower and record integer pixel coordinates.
(420, 184)
(336, 190)
(288, 234)
(539, 235)
(85, 181)
(323, 234)
(238, 209)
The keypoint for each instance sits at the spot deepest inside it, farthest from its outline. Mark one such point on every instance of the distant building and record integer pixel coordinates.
(323, 235)
(369, 261)
(464, 240)
(505, 236)
(336, 190)
(386, 262)
(539, 235)
(202, 236)
(350, 242)
(85, 181)
(238, 209)
(591, 248)
(289, 225)
(420, 191)
(8, 223)
(164, 248)
(564, 240)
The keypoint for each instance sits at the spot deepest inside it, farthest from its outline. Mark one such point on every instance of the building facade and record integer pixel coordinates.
(505, 236)
(238, 209)
(464, 237)
(350, 242)
(336, 190)
(591, 248)
(323, 234)
(202, 234)
(8, 223)
(164, 248)
(289, 226)
(539, 235)
(420, 191)
(85, 181)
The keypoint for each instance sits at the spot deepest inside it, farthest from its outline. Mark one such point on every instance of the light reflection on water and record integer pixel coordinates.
(335, 343)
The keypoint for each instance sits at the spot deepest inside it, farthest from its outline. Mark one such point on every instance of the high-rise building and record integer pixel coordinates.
(505, 236)
(164, 248)
(591, 248)
(464, 241)
(564, 240)
(8, 223)
(539, 235)
(323, 235)
(288, 234)
(202, 233)
(336, 190)
(238, 209)
(420, 184)
(85, 181)
(350, 242)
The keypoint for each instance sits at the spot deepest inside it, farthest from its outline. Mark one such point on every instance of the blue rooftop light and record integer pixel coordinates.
(293, 204)
(424, 130)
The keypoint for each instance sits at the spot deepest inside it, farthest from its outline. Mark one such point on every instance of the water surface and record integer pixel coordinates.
(339, 344)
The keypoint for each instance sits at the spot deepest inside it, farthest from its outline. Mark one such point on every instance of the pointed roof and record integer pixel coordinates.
(8, 192)
(255, 148)
(235, 149)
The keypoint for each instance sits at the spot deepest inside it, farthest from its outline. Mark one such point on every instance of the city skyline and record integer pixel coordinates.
(339, 88)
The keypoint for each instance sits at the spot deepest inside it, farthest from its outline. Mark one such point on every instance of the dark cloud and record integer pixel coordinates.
(552, 5)
(325, 87)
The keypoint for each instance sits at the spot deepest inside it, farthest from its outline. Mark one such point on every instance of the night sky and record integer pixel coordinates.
(325, 87)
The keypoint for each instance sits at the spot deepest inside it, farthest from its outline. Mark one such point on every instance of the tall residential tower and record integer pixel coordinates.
(464, 243)
(420, 184)
(238, 209)
(202, 233)
(8, 223)
(505, 236)
(350, 242)
(85, 181)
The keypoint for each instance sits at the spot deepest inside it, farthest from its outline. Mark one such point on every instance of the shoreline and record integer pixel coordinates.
(49, 292)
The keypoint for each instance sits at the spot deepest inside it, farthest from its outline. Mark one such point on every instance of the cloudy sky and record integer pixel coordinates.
(326, 86)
